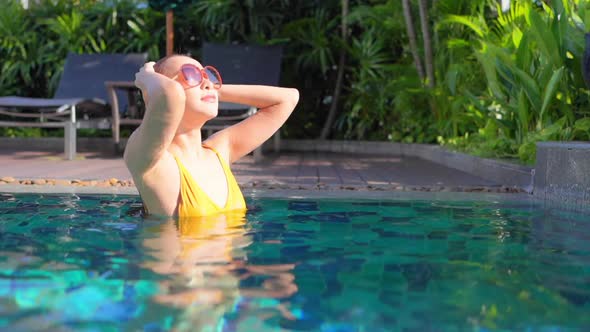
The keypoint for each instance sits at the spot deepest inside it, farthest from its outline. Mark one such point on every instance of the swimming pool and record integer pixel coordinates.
(91, 263)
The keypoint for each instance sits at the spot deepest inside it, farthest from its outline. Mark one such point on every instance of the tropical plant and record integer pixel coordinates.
(530, 56)
(16, 43)
(309, 60)
(496, 82)
(35, 41)
(340, 74)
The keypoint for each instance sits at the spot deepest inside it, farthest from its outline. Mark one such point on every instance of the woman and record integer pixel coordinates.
(178, 174)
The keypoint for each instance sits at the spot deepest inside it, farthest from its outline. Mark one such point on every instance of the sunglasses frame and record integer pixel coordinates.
(204, 75)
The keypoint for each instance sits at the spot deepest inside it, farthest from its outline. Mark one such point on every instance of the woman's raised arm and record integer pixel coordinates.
(165, 100)
(274, 104)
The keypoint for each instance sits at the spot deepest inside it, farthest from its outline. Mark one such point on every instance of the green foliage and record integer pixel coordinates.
(530, 58)
(35, 42)
(383, 99)
(21, 132)
(370, 96)
(317, 49)
(504, 81)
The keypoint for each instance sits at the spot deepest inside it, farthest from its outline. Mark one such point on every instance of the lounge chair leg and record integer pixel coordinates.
(277, 141)
(70, 140)
(116, 138)
(258, 154)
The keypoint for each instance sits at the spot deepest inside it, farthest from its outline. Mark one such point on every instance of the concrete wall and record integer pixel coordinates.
(562, 173)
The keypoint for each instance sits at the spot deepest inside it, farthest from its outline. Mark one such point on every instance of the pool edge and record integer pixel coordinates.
(283, 193)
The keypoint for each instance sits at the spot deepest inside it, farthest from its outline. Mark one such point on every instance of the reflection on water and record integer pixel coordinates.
(91, 263)
(203, 260)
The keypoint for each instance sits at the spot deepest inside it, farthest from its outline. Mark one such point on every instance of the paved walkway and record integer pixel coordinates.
(287, 170)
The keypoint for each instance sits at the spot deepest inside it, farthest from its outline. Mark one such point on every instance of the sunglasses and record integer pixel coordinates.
(194, 76)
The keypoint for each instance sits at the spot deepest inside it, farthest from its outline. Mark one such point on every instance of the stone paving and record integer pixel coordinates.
(287, 170)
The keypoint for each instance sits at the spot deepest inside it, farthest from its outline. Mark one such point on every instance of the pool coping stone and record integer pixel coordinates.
(282, 193)
(506, 173)
(498, 171)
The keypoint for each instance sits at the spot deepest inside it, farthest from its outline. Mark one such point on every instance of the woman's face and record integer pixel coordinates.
(202, 99)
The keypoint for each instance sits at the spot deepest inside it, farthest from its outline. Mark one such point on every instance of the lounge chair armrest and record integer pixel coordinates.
(120, 85)
(128, 86)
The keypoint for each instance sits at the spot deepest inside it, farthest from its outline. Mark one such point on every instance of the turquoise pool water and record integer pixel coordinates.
(91, 263)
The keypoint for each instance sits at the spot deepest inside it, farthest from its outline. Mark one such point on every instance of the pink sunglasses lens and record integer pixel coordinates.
(192, 75)
(213, 75)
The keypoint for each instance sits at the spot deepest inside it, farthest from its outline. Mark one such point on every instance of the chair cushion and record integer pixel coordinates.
(24, 102)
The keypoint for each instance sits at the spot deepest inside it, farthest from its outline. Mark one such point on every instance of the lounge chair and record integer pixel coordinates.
(242, 64)
(80, 99)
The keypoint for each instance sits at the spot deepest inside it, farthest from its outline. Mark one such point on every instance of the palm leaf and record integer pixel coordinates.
(550, 90)
(476, 25)
(545, 39)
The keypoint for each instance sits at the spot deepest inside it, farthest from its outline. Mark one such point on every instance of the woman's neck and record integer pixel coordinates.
(187, 142)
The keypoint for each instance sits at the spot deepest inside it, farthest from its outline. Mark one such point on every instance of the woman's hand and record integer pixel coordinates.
(150, 82)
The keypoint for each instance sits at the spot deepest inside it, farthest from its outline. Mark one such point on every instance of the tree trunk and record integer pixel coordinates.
(169, 32)
(340, 75)
(428, 57)
(412, 37)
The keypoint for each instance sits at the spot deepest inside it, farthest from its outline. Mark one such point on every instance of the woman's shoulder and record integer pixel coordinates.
(219, 145)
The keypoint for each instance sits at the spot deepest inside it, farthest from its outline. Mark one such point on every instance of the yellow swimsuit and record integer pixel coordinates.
(195, 202)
